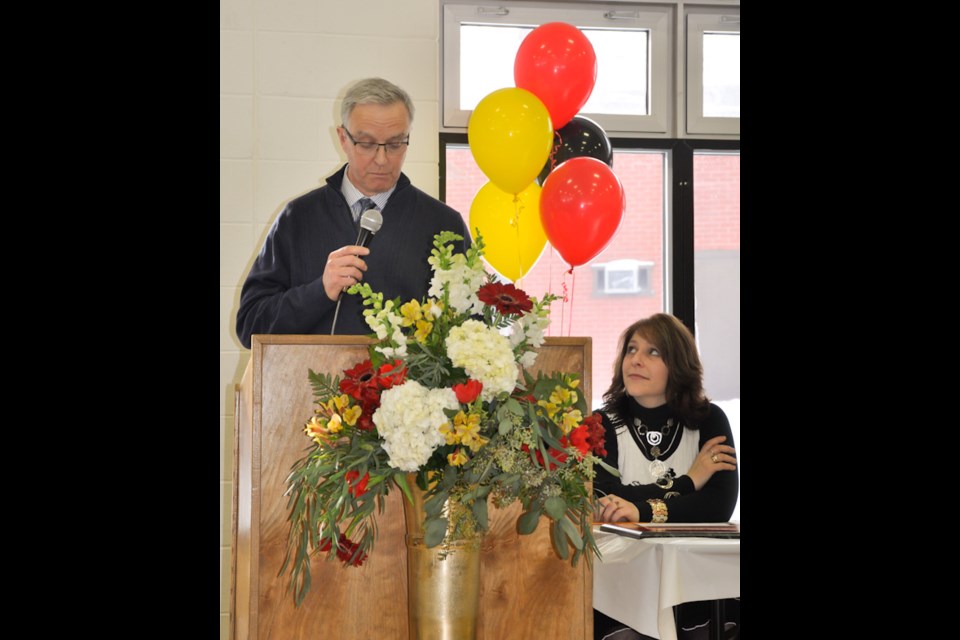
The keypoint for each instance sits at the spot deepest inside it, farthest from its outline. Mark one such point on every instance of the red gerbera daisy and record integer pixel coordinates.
(358, 379)
(505, 297)
(364, 384)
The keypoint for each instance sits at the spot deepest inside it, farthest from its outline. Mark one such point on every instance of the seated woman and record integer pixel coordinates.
(673, 448)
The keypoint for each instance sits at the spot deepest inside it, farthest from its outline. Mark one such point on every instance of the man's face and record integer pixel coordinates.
(377, 172)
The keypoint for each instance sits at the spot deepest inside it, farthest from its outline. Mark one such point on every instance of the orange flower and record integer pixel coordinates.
(317, 430)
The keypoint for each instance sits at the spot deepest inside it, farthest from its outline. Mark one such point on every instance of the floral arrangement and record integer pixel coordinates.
(445, 394)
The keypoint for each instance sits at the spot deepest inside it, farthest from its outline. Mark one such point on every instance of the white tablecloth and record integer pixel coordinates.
(639, 581)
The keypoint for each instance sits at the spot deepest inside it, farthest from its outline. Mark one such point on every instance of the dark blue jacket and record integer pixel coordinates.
(284, 291)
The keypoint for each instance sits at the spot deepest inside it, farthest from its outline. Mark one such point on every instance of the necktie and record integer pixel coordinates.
(362, 205)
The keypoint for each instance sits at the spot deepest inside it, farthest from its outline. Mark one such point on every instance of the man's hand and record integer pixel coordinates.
(344, 268)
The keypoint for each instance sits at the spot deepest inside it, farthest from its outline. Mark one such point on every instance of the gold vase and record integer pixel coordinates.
(443, 582)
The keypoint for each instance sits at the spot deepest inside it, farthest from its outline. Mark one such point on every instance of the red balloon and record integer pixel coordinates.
(557, 64)
(581, 206)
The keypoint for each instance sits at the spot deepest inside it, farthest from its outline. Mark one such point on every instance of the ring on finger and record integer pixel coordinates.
(714, 458)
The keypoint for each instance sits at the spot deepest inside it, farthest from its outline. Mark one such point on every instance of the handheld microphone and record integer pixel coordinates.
(370, 223)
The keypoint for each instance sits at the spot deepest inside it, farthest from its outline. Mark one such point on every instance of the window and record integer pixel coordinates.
(713, 71)
(632, 45)
(716, 247)
(633, 283)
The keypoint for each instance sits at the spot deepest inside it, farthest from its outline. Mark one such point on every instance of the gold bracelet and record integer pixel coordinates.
(659, 510)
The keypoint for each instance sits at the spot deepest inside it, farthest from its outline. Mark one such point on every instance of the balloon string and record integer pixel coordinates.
(573, 285)
(550, 286)
(556, 147)
(563, 306)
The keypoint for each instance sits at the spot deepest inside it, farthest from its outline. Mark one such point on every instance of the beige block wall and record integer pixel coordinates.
(284, 64)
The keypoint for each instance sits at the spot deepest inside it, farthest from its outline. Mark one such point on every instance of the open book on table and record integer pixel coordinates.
(674, 530)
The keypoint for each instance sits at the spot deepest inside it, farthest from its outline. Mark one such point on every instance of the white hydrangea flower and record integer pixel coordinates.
(409, 421)
(485, 355)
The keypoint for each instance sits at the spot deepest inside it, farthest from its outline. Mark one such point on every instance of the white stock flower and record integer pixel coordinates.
(528, 359)
(376, 324)
(528, 336)
(462, 282)
(409, 421)
(386, 323)
(485, 355)
(534, 326)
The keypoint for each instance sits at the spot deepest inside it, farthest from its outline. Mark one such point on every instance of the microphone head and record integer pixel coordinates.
(371, 220)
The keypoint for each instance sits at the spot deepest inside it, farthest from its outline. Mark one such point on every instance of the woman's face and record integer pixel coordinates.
(645, 373)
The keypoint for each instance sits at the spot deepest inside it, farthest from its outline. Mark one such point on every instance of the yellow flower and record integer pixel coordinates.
(571, 420)
(336, 424)
(550, 407)
(466, 423)
(351, 415)
(339, 403)
(449, 433)
(423, 330)
(411, 313)
(457, 458)
(475, 442)
(573, 383)
(468, 430)
(563, 396)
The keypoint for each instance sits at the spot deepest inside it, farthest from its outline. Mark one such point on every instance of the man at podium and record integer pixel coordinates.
(311, 254)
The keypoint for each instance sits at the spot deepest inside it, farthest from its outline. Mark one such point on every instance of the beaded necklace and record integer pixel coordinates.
(647, 437)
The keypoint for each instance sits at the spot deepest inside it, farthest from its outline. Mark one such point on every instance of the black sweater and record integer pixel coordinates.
(716, 499)
(284, 291)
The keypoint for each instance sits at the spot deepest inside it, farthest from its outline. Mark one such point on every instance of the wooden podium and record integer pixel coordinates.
(526, 590)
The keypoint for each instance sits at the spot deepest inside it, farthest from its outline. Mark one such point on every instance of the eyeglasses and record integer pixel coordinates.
(371, 148)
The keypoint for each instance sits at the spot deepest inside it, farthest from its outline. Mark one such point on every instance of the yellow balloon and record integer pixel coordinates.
(511, 228)
(510, 136)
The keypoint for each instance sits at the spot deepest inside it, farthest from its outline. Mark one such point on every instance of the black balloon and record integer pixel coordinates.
(580, 137)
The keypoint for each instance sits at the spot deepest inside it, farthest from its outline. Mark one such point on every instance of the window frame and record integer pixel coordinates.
(677, 79)
(679, 294)
(659, 19)
(698, 22)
